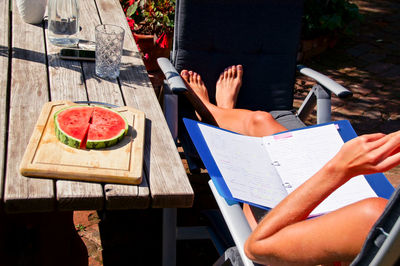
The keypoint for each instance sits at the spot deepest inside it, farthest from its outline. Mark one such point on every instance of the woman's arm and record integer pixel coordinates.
(284, 236)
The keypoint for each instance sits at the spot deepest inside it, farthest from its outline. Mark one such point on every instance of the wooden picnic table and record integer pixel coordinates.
(32, 74)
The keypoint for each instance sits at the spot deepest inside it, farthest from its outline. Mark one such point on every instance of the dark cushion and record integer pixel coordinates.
(262, 35)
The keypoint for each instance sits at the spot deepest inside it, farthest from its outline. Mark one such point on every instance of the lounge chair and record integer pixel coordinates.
(264, 37)
(380, 249)
(261, 35)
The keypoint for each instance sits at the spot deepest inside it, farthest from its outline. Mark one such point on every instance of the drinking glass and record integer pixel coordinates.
(63, 22)
(109, 43)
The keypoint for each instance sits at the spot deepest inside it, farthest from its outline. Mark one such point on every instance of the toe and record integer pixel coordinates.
(221, 77)
(234, 71)
(239, 71)
(226, 73)
(191, 76)
(185, 75)
(230, 72)
(198, 79)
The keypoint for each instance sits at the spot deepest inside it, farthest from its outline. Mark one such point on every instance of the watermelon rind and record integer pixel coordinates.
(66, 139)
(61, 135)
(90, 144)
(104, 143)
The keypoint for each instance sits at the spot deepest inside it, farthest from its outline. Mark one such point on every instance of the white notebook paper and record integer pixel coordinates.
(265, 170)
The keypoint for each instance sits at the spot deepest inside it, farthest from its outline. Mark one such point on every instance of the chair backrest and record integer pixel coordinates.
(262, 35)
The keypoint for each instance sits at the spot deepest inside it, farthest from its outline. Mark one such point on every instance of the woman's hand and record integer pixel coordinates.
(369, 154)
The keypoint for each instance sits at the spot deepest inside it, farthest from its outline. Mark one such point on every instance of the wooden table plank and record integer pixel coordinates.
(4, 30)
(100, 90)
(29, 91)
(125, 197)
(73, 195)
(167, 178)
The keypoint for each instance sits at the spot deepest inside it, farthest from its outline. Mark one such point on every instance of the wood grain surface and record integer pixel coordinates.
(48, 157)
(68, 82)
(4, 16)
(28, 93)
(37, 76)
(162, 163)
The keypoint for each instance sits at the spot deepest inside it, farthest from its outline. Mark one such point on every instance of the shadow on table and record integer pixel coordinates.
(128, 71)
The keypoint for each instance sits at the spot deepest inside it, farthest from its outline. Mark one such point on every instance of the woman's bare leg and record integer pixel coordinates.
(228, 86)
(336, 236)
(246, 122)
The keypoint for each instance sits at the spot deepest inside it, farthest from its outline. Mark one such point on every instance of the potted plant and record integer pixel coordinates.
(324, 21)
(152, 25)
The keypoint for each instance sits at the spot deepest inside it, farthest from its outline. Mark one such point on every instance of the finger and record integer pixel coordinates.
(396, 139)
(374, 141)
(389, 146)
(391, 143)
(367, 142)
(374, 137)
(367, 138)
(395, 151)
(388, 163)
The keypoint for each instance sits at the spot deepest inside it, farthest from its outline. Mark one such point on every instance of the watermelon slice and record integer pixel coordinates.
(90, 127)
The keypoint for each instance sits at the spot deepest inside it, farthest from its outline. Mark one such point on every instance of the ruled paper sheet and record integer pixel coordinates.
(300, 154)
(265, 170)
(245, 166)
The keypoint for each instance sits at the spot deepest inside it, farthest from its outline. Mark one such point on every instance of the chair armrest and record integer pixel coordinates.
(236, 222)
(175, 82)
(326, 82)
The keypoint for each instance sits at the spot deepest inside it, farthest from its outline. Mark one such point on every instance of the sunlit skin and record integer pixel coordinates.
(285, 236)
(246, 122)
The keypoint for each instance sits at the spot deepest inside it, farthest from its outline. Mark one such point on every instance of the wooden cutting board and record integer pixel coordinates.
(47, 157)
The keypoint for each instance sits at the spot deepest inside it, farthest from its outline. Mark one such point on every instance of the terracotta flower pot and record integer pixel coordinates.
(151, 50)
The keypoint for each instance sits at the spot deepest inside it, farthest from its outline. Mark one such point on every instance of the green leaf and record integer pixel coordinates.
(132, 9)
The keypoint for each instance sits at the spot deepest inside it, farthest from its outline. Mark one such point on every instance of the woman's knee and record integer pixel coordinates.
(258, 120)
(261, 117)
(261, 123)
(372, 208)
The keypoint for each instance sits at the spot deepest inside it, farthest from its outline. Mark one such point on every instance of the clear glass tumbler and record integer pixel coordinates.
(109, 43)
(63, 22)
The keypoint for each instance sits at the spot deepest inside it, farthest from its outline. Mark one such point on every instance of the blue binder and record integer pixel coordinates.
(378, 182)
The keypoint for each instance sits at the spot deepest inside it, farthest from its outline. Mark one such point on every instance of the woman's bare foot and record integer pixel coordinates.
(228, 86)
(195, 85)
(198, 96)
